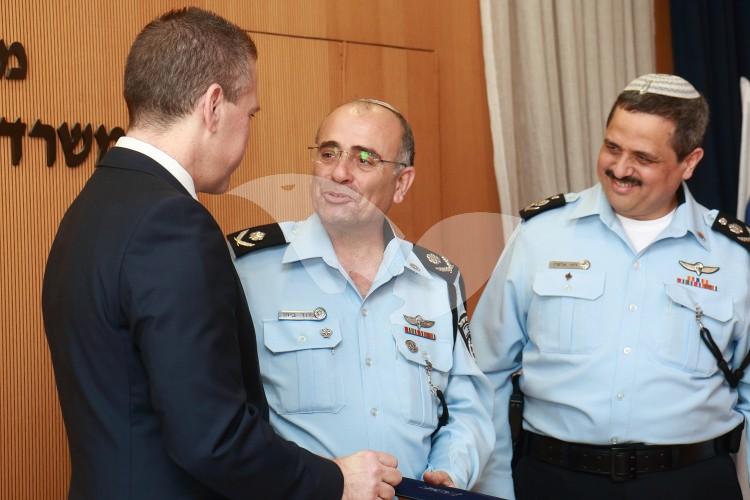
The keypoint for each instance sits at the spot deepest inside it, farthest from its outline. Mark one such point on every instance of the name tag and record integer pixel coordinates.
(317, 314)
(569, 264)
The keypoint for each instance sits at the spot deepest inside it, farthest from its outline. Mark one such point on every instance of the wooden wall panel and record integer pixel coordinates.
(468, 174)
(396, 23)
(408, 80)
(66, 82)
(299, 82)
(663, 37)
(423, 56)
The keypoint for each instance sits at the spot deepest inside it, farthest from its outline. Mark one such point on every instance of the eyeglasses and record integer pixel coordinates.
(365, 160)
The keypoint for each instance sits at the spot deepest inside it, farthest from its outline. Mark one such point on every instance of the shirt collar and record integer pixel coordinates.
(170, 164)
(308, 239)
(687, 217)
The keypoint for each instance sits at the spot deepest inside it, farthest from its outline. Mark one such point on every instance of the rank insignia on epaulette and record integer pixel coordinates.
(540, 206)
(436, 260)
(255, 238)
(436, 263)
(733, 228)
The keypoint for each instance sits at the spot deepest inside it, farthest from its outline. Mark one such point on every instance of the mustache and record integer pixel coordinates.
(630, 180)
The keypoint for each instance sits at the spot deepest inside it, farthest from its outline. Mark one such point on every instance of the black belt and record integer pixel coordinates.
(625, 462)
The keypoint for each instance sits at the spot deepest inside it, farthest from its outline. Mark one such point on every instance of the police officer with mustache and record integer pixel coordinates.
(626, 309)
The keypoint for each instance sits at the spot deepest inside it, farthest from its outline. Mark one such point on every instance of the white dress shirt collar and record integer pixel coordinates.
(170, 164)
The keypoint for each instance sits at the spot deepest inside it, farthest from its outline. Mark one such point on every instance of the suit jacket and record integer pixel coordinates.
(154, 351)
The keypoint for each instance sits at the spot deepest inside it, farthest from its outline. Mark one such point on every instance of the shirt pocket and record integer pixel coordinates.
(566, 310)
(680, 344)
(301, 371)
(418, 405)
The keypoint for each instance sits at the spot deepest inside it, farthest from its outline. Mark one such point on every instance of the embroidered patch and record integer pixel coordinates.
(463, 327)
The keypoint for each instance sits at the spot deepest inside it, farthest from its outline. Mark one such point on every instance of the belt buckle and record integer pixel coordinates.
(622, 463)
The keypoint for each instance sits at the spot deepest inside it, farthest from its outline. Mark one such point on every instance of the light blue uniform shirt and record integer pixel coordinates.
(612, 354)
(350, 382)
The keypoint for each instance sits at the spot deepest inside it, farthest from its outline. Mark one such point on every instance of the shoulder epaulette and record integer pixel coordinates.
(436, 263)
(542, 206)
(732, 228)
(254, 238)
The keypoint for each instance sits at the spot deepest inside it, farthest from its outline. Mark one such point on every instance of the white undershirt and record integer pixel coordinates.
(643, 232)
(170, 164)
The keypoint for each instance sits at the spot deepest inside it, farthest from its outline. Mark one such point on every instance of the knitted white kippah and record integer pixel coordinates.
(669, 85)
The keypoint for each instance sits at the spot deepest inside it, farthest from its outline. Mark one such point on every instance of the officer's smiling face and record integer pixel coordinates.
(344, 194)
(638, 168)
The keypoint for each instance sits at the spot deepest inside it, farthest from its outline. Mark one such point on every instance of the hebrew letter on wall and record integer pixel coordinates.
(15, 131)
(46, 132)
(10, 69)
(71, 139)
(104, 139)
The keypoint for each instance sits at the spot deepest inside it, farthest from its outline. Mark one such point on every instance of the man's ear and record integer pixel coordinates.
(211, 107)
(403, 183)
(691, 163)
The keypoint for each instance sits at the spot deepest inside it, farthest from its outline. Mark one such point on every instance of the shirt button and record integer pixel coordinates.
(627, 350)
(374, 412)
(301, 339)
(613, 440)
(632, 307)
(636, 265)
(368, 361)
(620, 395)
(364, 311)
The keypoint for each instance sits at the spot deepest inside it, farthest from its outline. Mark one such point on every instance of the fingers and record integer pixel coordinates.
(386, 492)
(386, 459)
(368, 474)
(438, 478)
(391, 476)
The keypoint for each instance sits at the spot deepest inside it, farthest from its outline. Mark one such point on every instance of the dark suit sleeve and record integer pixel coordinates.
(180, 297)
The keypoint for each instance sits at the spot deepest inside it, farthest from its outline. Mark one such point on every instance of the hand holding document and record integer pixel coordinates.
(413, 489)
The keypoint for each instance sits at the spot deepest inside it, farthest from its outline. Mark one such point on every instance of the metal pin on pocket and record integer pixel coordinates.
(428, 369)
(699, 316)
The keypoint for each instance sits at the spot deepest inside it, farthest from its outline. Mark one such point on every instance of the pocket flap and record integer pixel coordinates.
(286, 336)
(569, 283)
(712, 304)
(438, 352)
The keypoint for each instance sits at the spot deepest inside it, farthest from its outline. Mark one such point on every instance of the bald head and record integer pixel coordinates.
(361, 107)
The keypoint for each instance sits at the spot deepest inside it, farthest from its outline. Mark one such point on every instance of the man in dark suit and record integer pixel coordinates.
(151, 339)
